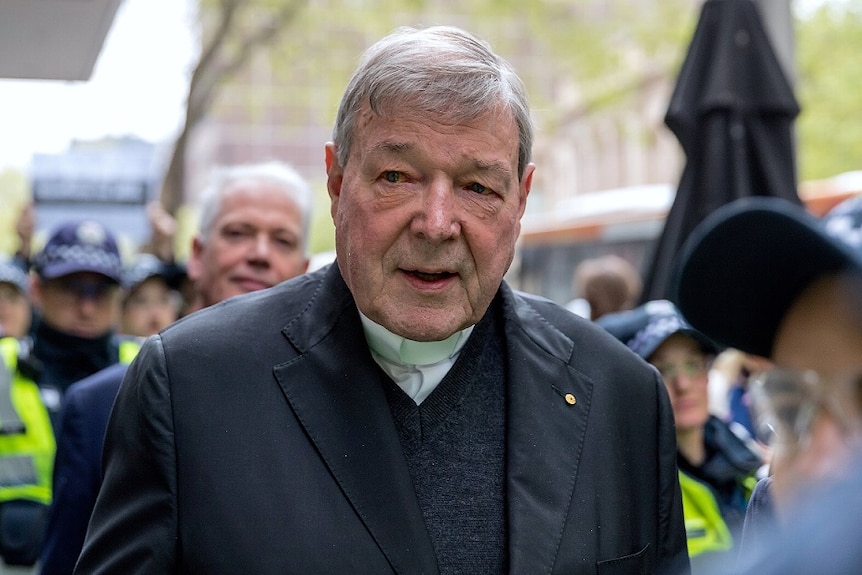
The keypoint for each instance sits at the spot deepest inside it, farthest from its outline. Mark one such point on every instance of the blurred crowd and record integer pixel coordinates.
(761, 354)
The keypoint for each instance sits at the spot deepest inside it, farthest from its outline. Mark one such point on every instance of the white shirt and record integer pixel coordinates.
(416, 366)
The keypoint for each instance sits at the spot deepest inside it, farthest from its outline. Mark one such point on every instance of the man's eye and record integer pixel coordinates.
(479, 188)
(392, 177)
(234, 233)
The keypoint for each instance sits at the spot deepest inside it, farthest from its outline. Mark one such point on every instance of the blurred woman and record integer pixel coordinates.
(717, 468)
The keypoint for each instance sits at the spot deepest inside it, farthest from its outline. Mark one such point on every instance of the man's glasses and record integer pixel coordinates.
(691, 367)
(786, 403)
(81, 289)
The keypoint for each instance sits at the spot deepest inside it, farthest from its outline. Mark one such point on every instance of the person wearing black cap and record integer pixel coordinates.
(766, 277)
(76, 291)
(15, 308)
(717, 467)
(150, 300)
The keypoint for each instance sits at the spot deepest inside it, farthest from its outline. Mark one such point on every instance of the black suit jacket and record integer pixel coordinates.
(254, 437)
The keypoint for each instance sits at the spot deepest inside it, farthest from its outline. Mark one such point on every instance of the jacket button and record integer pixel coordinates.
(570, 399)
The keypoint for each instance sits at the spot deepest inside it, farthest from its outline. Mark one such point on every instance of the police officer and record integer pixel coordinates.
(718, 465)
(75, 291)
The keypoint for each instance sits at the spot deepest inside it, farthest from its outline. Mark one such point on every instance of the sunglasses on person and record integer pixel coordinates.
(83, 289)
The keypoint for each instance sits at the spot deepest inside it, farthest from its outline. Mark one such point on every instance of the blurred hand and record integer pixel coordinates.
(24, 228)
(163, 228)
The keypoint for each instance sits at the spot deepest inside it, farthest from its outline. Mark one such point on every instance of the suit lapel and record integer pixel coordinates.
(546, 422)
(333, 388)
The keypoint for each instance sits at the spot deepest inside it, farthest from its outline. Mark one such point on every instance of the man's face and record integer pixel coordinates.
(14, 311)
(822, 333)
(822, 330)
(83, 304)
(426, 216)
(255, 242)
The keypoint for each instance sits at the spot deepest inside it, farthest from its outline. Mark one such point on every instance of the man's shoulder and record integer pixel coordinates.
(98, 389)
(258, 315)
(585, 334)
(268, 305)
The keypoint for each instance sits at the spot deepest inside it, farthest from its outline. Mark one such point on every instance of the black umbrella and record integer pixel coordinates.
(732, 111)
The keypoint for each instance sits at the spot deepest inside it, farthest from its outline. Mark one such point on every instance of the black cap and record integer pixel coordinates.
(646, 327)
(80, 246)
(744, 265)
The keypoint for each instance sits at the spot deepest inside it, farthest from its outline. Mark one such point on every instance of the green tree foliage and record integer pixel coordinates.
(553, 43)
(829, 44)
(592, 48)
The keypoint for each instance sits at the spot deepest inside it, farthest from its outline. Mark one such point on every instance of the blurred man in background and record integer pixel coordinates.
(253, 234)
(254, 223)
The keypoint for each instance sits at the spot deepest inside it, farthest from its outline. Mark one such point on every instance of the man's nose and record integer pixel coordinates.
(438, 219)
(261, 246)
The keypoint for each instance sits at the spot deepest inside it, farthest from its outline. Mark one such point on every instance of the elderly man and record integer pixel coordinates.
(253, 234)
(401, 410)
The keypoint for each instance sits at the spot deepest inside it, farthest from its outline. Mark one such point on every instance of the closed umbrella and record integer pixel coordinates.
(732, 111)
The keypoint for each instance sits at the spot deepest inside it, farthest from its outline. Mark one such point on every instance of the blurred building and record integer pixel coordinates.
(589, 138)
(111, 180)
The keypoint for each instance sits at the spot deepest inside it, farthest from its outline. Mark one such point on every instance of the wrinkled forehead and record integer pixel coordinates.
(399, 124)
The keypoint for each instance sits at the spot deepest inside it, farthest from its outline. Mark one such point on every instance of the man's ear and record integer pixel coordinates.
(334, 176)
(193, 265)
(35, 291)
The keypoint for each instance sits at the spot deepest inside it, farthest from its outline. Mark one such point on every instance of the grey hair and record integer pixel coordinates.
(283, 175)
(442, 70)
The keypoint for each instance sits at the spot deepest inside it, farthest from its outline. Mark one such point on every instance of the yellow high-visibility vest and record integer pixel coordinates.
(705, 528)
(129, 348)
(27, 444)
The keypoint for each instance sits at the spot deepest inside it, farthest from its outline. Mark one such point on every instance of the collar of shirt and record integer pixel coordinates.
(416, 366)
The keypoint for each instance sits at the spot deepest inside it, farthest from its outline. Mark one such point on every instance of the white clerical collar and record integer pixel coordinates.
(401, 350)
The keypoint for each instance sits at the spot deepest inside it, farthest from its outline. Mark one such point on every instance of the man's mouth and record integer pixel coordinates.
(251, 284)
(432, 277)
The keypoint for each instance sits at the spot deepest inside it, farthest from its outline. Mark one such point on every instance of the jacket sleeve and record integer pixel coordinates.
(133, 526)
(75, 487)
(673, 554)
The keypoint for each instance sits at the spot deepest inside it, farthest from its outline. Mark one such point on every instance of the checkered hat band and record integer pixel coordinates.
(86, 255)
